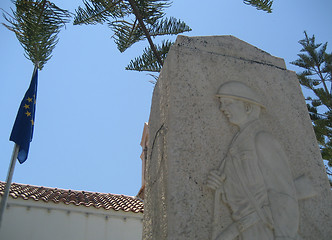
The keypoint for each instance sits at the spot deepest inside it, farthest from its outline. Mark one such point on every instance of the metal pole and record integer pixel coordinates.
(9, 181)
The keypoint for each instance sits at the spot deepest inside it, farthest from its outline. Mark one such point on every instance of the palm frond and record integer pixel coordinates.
(36, 25)
(148, 61)
(265, 5)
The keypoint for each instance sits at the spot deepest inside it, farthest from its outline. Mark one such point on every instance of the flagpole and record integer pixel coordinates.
(8, 182)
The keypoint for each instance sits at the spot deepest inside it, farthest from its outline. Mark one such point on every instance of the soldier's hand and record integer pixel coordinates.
(215, 181)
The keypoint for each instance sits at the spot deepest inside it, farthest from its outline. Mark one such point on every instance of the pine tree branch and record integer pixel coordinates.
(126, 33)
(99, 11)
(148, 62)
(133, 27)
(147, 34)
(316, 64)
(319, 72)
(168, 26)
(149, 21)
(265, 5)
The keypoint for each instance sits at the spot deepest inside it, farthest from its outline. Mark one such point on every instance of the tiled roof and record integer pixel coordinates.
(87, 199)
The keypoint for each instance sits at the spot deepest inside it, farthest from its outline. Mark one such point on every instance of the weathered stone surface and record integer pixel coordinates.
(189, 137)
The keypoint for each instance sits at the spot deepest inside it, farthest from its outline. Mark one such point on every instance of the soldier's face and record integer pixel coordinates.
(234, 110)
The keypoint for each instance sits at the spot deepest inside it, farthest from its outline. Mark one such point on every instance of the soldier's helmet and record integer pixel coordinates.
(239, 91)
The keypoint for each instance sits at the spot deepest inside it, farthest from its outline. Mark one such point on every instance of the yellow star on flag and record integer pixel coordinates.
(28, 114)
(29, 99)
(32, 122)
(26, 106)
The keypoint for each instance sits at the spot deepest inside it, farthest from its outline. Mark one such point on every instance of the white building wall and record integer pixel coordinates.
(37, 220)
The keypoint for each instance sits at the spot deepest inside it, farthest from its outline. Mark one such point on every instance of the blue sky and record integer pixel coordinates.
(91, 112)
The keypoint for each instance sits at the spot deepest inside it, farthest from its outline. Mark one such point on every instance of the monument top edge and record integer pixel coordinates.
(231, 46)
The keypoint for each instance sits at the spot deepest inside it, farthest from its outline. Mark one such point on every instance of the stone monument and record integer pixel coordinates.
(232, 153)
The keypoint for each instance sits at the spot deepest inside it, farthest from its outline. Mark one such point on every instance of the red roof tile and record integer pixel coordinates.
(87, 199)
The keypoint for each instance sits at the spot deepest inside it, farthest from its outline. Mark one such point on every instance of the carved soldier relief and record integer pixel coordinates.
(254, 179)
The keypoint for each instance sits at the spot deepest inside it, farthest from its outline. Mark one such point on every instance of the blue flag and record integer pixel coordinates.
(23, 127)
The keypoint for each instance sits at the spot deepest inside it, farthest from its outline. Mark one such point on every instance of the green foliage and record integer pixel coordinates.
(265, 5)
(316, 76)
(136, 20)
(95, 12)
(125, 23)
(126, 34)
(36, 25)
(148, 61)
(168, 26)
